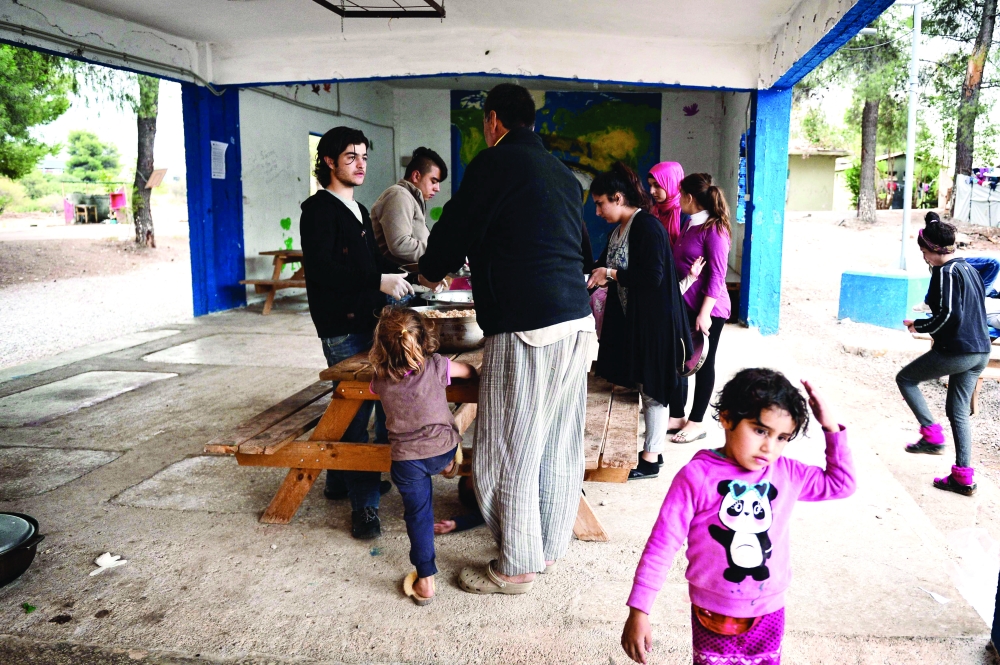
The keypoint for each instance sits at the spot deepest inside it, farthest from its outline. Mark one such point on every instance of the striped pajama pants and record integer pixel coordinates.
(528, 464)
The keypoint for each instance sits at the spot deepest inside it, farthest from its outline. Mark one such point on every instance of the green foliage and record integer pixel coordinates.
(90, 160)
(37, 184)
(852, 178)
(34, 90)
(11, 195)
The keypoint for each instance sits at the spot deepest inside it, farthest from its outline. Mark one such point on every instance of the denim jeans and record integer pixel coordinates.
(413, 480)
(362, 486)
(962, 370)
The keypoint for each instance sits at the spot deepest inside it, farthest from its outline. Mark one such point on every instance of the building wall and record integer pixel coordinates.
(699, 129)
(810, 182)
(735, 109)
(274, 137)
(423, 118)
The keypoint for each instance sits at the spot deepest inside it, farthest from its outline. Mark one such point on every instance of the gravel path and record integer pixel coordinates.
(40, 319)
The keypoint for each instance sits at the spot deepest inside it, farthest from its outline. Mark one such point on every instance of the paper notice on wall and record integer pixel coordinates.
(219, 160)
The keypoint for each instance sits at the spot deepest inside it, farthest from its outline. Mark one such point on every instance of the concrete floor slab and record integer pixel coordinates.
(47, 402)
(32, 471)
(171, 413)
(247, 350)
(84, 353)
(207, 483)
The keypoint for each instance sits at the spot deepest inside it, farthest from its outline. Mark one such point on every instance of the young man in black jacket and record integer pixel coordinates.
(347, 281)
(518, 219)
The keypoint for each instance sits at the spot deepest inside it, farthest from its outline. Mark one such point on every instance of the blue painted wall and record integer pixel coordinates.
(767, 175)
(215, 206)
(882, 299)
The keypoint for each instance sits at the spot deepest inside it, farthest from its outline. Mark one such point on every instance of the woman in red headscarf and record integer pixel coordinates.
(664, 184)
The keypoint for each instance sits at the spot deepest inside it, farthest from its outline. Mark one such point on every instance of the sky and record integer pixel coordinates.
(113, 125)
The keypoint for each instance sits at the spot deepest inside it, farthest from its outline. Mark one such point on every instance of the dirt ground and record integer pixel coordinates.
(818, 248)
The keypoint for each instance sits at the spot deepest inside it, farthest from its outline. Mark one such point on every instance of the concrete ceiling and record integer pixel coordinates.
(738, 44)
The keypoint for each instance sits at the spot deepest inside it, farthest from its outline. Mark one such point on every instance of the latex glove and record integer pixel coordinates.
(395, 285)
(106, 561)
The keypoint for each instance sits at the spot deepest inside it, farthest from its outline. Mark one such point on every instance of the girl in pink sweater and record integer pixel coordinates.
(733, 506)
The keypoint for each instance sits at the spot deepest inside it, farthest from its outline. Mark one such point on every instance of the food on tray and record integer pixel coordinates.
(448, 313)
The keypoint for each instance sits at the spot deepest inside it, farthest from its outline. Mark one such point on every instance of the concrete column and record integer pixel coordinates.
(215, 200)
(767, 175)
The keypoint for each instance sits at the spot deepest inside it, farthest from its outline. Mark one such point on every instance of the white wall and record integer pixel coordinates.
(734, 124)
(423, 118)
(691, 140)
(274, 141)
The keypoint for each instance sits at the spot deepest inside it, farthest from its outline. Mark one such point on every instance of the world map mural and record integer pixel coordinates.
(587, 131)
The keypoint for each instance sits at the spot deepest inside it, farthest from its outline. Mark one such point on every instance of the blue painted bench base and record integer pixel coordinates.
(882, 299)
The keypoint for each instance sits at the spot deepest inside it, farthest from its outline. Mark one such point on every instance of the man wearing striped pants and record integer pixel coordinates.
(517, 216)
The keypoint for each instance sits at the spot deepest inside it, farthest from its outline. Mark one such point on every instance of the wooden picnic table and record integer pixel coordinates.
(276, 283)
(327, 407)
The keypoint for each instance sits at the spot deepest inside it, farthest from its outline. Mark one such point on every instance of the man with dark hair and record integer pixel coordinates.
(399, 214)
(347, 281)
(518, 218)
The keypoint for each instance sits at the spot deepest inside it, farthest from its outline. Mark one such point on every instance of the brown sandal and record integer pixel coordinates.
(475, 580)
(408, 583)
(452, 469)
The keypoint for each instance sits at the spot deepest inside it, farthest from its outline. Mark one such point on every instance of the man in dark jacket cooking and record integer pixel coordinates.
(347, 280)
(518, 218)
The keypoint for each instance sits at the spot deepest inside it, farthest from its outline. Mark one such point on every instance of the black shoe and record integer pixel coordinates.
(383, 488)
(365, 524)
(659, 460)
(644, 470)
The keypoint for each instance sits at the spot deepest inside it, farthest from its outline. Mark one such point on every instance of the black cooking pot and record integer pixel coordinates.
(19, 540)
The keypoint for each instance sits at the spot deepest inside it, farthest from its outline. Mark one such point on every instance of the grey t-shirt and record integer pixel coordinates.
(417, 416)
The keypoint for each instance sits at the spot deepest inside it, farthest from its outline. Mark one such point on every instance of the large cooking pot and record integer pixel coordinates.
(455, 334)
(19, 540)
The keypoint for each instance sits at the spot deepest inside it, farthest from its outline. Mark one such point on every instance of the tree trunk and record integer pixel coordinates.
(146, 110)
(968, 103)
(869, 133)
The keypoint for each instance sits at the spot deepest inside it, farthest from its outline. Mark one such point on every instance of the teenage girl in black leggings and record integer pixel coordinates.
(707, 234)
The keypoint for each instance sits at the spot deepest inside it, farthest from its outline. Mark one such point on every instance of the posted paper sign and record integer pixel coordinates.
(219, 160)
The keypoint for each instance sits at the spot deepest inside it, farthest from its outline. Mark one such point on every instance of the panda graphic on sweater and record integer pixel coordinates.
(746, 515)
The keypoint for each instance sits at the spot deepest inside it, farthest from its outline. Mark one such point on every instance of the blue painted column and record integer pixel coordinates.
(767, 176)
(215, 204)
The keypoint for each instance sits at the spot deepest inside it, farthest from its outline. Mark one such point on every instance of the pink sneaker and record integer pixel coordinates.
(931, 441)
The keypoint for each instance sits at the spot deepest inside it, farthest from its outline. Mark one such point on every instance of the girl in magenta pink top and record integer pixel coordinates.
(706, 234)
(732, 506)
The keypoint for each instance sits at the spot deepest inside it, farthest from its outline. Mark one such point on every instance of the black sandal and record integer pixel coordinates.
(949, 484)
(644, 470)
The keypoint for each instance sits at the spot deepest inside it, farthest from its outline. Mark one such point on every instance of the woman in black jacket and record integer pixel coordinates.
(961, 351)
(645, 329)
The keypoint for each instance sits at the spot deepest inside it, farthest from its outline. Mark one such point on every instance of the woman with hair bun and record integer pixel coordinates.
(645, 330)
(961, 351)
(706, 234)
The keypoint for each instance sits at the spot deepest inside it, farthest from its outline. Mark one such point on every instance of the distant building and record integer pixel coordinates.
(52, 165)
(812, 179)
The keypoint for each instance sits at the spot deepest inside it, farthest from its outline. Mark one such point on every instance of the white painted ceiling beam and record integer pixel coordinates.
(659, 42)
(67, 29)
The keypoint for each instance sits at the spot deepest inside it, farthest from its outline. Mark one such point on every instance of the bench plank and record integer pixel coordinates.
(228, 443)
(596, 427)
(324, 455)
(289, 429)
(620, 444)
(459, 392)
(276, 283)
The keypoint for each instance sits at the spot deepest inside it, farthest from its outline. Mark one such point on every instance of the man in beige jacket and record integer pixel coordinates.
(399, 214)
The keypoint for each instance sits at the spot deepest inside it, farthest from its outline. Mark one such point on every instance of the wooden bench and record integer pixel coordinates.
(991, 373)
(276, 283)
(274, 437)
